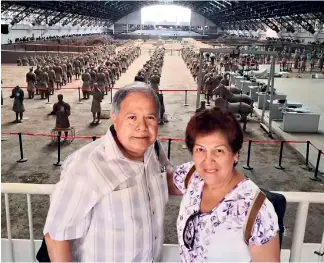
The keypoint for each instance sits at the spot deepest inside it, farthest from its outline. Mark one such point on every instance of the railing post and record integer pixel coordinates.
(247, 166)
(278, 166)
(186, 98)
(58, 163)
(299, 232)
(31, 228)
(306, 166)
(169, 148)
(79, 91)
(8, 221)
(22, 159)
(316, 178)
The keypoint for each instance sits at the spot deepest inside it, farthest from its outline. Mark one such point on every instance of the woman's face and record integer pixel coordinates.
(214, 158)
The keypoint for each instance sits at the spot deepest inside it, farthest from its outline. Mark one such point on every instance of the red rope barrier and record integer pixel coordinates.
(315, 147)
(39, 88)
(275, 141)
(163, 90)
(175, 90)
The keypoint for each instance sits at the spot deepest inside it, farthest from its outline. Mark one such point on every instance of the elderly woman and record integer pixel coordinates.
(213, 219)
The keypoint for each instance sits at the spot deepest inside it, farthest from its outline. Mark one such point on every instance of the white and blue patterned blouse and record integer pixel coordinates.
(218, 235)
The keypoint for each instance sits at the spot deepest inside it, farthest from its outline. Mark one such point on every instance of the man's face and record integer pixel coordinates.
(136, 124)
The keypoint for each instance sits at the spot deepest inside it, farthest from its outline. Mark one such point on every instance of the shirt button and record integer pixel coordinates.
(155, 238)
(153, 212)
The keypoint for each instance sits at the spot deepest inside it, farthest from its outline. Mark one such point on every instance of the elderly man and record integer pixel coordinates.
(109, 204)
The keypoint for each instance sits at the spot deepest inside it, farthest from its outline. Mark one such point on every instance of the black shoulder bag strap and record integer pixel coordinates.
(157, 149)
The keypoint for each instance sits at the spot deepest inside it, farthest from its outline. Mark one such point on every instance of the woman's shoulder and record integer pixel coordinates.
(237, 204)
(246, 189)
(249, 191)
(243, 195)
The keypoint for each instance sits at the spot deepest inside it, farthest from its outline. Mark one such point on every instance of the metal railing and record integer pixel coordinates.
(302, 198)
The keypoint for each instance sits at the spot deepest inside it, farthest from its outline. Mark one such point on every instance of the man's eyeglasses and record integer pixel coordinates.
(189, 231)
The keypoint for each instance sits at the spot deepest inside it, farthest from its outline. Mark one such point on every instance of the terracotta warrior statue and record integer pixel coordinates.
(58, 75)
(31, 81)
(43, 83)
(51, 80)
(37, 72)
(86, 85)
(18, 105)
(101, 81)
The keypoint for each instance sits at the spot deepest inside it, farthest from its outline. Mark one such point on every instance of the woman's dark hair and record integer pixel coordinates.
(215, 120)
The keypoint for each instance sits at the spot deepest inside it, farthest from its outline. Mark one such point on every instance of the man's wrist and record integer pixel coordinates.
(170, 168)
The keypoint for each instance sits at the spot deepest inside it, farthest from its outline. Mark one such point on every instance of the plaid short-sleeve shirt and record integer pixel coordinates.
(110, 207)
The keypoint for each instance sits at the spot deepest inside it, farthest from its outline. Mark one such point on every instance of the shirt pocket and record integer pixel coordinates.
(125, 208)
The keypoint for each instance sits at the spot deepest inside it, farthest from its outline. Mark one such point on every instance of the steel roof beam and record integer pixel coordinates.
(301, 21)
(21, 16)
(220, 12)
(57, 19)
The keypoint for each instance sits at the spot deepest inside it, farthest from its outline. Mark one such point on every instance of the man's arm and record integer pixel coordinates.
(69, 215)
(173, 190)
(58, 251)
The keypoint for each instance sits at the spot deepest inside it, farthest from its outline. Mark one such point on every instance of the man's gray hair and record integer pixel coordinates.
(140, 87)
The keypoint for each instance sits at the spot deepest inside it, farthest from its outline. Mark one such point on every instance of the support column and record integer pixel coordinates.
(204, 26)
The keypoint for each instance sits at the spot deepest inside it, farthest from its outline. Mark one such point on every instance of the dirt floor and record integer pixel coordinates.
(41, 154)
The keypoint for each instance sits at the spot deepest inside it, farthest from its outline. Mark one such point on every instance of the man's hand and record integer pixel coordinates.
(173, 190)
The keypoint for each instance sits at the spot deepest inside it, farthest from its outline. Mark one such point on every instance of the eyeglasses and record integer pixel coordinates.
(189, 231)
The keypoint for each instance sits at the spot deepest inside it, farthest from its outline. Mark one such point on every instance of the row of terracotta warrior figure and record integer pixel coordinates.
(102, 65)
(96, 80)
(150, 73)
(216, 84)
